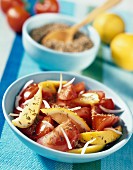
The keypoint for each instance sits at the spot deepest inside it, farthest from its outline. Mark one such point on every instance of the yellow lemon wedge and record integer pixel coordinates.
(30, 111)
(108, 26)
(101, 137)
(122, 51)
(89, 149)
(51, 85)
(56, 83)
(87, 99)
(47, 86)
(61, 115)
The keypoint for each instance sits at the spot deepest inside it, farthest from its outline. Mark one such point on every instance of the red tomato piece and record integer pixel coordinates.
(96, 109)
(101, 94)
(28, 93)
(101, 121)
(31, 131)
(7, 4)
(107, 103)
(48, 96)
(65, 103)
(44, 127)
(67, 93)
(79, 87)
(56, 139)
(85, 113)
(16, 16)
(47, 6)
(62, 103)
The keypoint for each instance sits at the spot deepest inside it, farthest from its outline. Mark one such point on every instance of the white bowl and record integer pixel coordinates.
(54, 60)
(8, 104)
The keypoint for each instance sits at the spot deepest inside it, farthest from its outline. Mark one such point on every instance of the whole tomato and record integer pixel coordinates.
(44, 6)
(7, 4)
(16, 16)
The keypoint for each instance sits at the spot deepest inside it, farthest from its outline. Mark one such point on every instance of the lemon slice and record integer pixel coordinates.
(48, 86)
(87, 99)
(89, 149)
(30, 111)
(61, 115)
(102, 137)
(56, 83)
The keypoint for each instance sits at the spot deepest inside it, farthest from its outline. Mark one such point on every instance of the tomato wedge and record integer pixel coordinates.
(28, 93)
(107, 103)
(101, 121)
(79, 87)
(85, 113)
(67, 93)
(56, 139)
(65, 103)
(44, 127)
(96, 110)
(31, 131)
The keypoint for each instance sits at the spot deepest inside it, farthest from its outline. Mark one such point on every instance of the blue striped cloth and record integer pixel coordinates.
(14, 155)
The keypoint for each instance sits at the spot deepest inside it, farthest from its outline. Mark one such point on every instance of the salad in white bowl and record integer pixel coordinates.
(68, 114)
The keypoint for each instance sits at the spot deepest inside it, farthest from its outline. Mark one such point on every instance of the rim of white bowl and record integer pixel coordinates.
(71, 19)
(103, 153)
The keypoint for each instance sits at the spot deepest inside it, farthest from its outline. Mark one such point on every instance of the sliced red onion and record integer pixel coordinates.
(14, 114)
(17, 101)
(69, 82)
(26, 102)
(86, 145)
(19, 95)
(81, 92)
(26, 85)
(19, 108)
(111, 111)
(27, 94)
(47, 106)
(67, 139)
(60, 86)
(75, 108)
(47, 124)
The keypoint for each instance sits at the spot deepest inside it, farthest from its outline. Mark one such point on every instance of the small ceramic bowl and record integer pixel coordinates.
(126, 116)
(49, 59)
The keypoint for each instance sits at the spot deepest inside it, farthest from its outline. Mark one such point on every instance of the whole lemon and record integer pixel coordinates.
(122, 50)
(108, 26)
